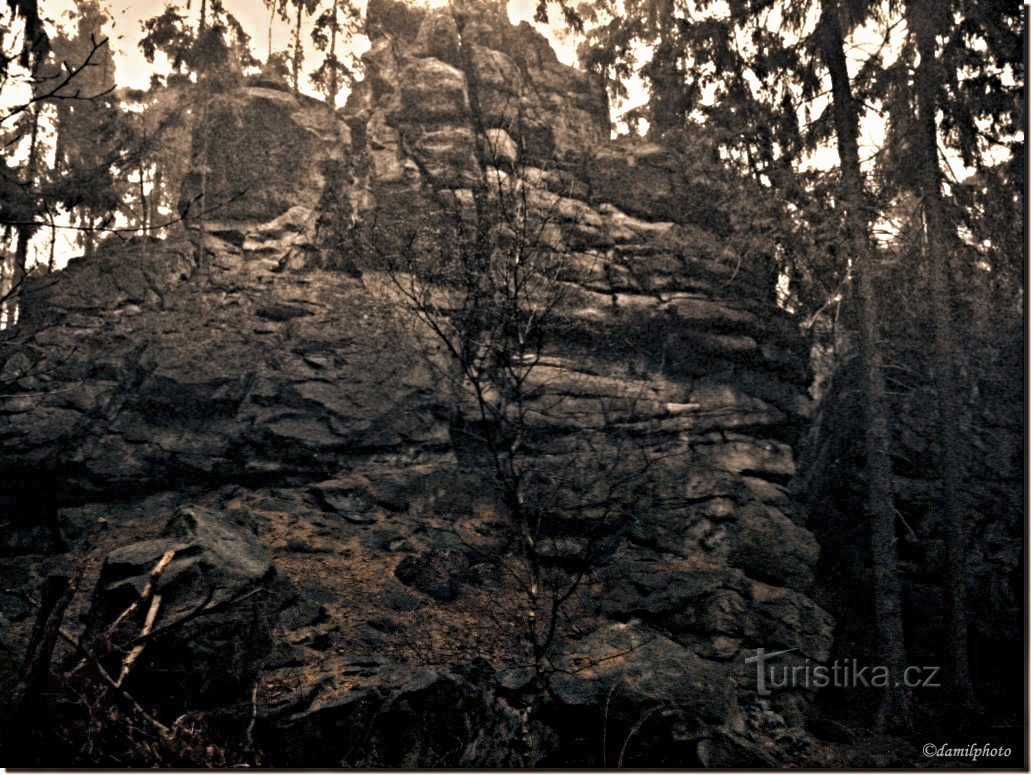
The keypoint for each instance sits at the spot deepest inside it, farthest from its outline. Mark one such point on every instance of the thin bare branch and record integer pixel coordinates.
(111, 683)
(70, 74)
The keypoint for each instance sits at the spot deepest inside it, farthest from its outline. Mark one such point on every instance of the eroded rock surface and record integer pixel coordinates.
(218, 582)
(293, 401)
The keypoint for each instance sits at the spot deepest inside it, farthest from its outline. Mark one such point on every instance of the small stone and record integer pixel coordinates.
(433, 573)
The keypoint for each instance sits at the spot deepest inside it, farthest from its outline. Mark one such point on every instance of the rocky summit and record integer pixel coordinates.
(256, 434)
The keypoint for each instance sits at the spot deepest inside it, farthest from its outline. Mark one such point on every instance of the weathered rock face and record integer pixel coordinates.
(295, 400)
(251, 181)
(218, 583)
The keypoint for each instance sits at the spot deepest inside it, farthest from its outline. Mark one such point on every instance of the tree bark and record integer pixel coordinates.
(333, 84)
(202, 236)
(937, 251)
(144, 206)
(895, 710)
(297, 46)
(52, 260)
(154, 205)
(21, 254)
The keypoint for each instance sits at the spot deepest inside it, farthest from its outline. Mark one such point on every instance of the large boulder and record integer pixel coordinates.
(147, 269)
(439, 38)
(393, 18)
(433, 91)
(657, 699)
(499, 84)
(645, 668)
(266, 150)
(216, 602)
(648, 180)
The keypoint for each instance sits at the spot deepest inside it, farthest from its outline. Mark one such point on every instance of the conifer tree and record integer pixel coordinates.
(337, 23)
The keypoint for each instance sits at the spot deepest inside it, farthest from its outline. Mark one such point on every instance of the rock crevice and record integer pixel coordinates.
(287, 396)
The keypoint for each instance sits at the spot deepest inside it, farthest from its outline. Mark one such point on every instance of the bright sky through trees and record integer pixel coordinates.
(132, 69)
(135, 71)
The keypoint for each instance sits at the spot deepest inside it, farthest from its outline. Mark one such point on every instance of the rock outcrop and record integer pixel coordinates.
(271, 390)
(218, 582)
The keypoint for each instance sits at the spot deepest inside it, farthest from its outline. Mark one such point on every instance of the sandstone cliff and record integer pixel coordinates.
(273, 420)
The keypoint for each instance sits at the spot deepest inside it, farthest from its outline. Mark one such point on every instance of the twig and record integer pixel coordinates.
(72, 72)
(592, 663)
(254, 714)
(134, 653)
(633, 731)
(148, 590)
(909, 528)
(605, 722)
(202, 610)
(106, 678)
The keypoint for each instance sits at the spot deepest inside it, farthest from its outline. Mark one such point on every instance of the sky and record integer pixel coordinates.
(133, 70)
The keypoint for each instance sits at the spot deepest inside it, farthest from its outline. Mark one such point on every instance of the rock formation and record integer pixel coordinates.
(270, 403)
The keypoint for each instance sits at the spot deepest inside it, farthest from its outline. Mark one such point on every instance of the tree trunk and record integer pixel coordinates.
(52, 260)
(297, 47)
(154, 205)
(333, 84)
(202, 255)
(271, 18)
(26, 230)
(938, 249)
(21, 254)
(895, 709)
(144, 205)
(89, 242)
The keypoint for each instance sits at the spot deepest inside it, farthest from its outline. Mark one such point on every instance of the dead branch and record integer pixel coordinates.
(111, 683)
(57, 593)
(134, 653)
(148, 590)
(204, 609)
